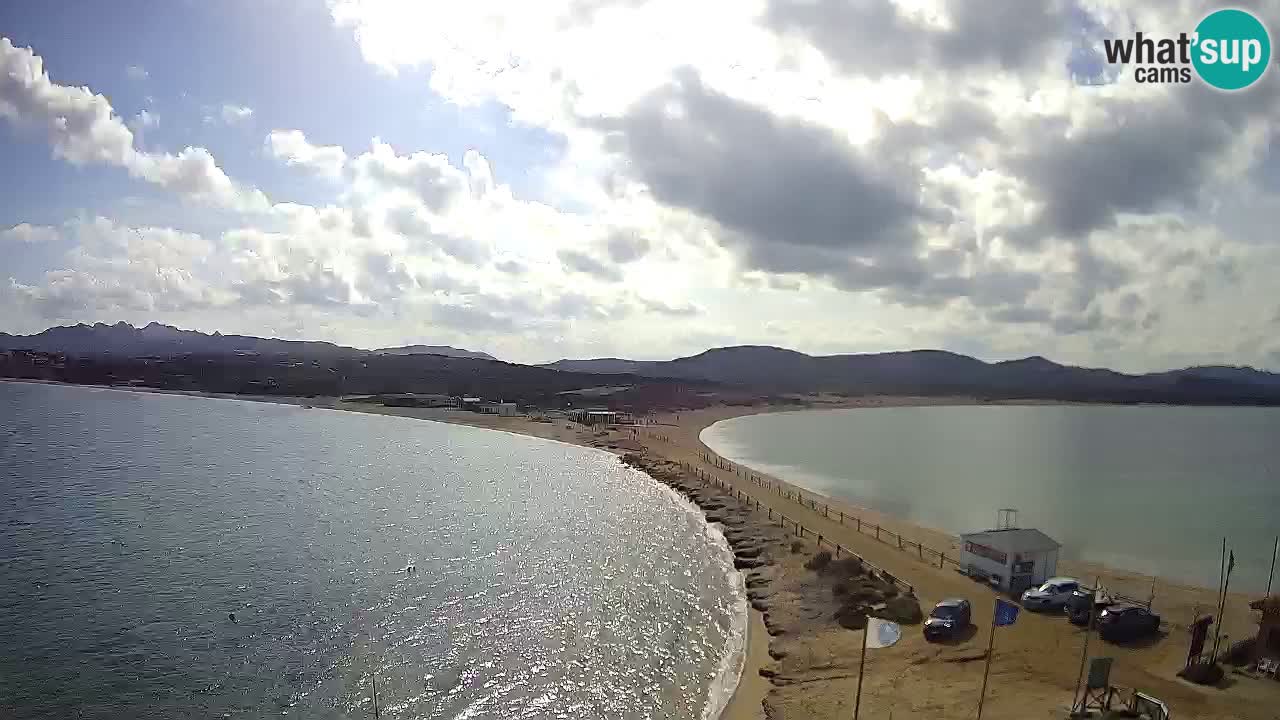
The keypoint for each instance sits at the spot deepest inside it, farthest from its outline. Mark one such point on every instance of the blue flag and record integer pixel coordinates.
(1006, 613)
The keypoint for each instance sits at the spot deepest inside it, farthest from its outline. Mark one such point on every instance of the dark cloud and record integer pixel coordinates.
(1094, 275)
(1072, 324)
(580, 262)
(793, 197)
(1149, 155)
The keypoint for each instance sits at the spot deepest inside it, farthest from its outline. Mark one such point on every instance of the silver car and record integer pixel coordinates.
(1052, 595)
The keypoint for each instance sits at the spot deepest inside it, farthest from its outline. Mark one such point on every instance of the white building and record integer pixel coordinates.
(1012, 559)
(504, 409)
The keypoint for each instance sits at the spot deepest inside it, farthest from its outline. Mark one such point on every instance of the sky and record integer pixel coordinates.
(640, 178)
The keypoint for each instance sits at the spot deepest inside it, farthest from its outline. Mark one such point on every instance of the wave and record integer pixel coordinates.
(733, 659)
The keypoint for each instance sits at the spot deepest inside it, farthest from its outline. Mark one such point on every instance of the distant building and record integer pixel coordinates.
(1012, 559)
(598, 416)
(418, 400)
(470, 403)
(503, 409)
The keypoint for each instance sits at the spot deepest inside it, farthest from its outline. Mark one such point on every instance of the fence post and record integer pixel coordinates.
(826, 510)
(899, 542)
(837, 551)
(859, 524)
(942, 558)
(877, 532)
(921, 549)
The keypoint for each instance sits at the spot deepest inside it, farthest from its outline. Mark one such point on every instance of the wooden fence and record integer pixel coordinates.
(880, 533)
(794, 526)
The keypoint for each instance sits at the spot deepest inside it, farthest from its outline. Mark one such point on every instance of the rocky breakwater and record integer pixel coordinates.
(813, 605)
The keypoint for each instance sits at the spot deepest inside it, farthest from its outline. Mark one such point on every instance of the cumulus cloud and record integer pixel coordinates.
(429, 177)
(916, 157)
(83, 129)
(625, 247)
(28, 233)
(143, 120)
(931, 169)
(580, 262)
(792, 195)
(115, 268)
(293, 148)
(235, 114)
(136, 72)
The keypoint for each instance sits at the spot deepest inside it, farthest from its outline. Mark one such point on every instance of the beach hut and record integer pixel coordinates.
(1011, 559)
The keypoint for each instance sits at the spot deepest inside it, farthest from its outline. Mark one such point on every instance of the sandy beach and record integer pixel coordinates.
(812, 661)
(802, 663)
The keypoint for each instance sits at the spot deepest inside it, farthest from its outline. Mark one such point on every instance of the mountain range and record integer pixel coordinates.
(938, 372)
(156, 339)
(761, 368)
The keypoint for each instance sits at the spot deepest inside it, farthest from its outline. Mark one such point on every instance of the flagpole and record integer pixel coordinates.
(1084, 652)
(862, 664)
(991, 641)
(1222, 607)
(1217, 621)
(1275, 551)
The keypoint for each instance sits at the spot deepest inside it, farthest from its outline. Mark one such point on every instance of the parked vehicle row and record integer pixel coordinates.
(1115, 621)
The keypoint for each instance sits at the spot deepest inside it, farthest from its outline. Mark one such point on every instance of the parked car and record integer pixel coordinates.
(1052, 595)
(947, 619)
(1127, 622)
(1080, 600)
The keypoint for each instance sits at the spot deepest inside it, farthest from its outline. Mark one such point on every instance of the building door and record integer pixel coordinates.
(1023, 576)
(1019, 583)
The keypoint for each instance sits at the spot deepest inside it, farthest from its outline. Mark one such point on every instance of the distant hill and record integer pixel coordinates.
(156, 339)
(444, 350)
(938, 372)
(756, 370)
(609, 366)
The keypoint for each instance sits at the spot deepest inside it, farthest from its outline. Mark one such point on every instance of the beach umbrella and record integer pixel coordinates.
(1006, 613)
(878, 634)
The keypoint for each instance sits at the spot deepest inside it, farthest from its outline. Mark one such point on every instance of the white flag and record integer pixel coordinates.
(882, 633)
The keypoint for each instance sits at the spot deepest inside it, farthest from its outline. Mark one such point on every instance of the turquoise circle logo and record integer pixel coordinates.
(1233, 49)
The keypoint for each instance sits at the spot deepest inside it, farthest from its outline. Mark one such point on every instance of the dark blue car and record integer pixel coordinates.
(948, 619)
(1120, 623)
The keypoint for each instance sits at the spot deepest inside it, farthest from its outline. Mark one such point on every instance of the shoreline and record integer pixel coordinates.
(798, 662)
(749, 687)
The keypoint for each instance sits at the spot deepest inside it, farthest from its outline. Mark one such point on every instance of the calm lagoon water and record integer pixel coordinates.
(1151, 489)
(550, 581)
